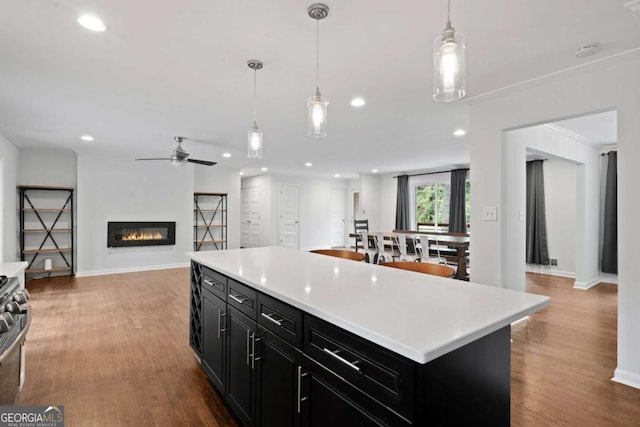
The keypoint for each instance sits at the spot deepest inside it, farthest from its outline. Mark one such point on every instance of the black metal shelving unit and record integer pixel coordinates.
(46, 229)
(210, 221)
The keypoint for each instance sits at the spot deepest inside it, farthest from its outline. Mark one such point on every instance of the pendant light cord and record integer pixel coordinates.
(448, 13)
(317, 53)
(255, 96)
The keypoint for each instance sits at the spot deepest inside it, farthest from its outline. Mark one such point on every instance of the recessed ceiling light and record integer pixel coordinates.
(586, 50)
(357, 102)
(86, 138)
(264, 169)
(336, 175)
(460, 132)
(241, 173)
(308, 164)
(374, 170)
(91, 22)
(226, 155)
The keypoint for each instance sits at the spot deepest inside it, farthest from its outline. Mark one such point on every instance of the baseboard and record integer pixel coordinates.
(542, 269)
(586, 285)
(626, 378)
(131, 269)
(609, 278)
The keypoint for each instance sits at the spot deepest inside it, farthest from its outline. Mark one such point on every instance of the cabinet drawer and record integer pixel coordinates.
(243, 298)
(281, 319)
(369, 367)
(214, 282)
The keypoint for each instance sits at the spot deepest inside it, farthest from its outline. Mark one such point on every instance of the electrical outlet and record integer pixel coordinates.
(553, 261)
(489, 213)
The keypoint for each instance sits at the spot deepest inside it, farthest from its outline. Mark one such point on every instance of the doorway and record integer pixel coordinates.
(288, 214)
(250, 203)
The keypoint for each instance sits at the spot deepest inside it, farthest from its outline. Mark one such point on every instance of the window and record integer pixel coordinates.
(432, 206)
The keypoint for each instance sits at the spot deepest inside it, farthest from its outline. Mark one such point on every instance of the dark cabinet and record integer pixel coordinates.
(279, 373)
(214, 338)
(241, 343)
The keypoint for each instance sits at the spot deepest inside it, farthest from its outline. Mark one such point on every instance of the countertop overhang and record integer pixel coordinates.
(416, 315)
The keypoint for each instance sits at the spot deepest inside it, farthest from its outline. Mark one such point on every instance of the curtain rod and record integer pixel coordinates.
(606, 154)
(433, 173)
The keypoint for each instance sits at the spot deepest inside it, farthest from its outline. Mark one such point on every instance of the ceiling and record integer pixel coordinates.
(166, 68)
(600, 129)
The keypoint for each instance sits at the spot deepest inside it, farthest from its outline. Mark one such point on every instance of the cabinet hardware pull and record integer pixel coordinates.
(248, 343)
(352, 365)
(237, 299)
(208, 282)
(220, 316)
(300, 398)
(253, 350)
(268, 317)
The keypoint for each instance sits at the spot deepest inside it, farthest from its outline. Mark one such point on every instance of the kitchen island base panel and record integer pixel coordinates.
(469, 384)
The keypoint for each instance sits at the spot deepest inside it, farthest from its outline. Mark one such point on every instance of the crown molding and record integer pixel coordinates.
(576, 137)
(621, 57)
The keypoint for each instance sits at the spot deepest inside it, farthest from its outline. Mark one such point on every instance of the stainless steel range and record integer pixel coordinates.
(15, 319)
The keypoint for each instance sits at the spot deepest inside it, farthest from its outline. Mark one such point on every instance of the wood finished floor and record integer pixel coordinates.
(114, 350)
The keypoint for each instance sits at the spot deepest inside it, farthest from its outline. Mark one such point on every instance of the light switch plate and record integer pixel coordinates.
(489, 213)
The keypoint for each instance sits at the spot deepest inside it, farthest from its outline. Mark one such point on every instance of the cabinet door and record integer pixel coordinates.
(241, 376)
(213, 339)
(279, 373)
(329, 400)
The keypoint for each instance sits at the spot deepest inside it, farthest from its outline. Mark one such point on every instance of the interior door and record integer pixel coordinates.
(337, 217)
(289, 216)
(250, 203)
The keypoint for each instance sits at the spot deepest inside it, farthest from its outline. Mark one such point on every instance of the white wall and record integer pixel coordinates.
(560, 203)
(388, 192)
(595, 88)
(119, 189)
(56, 168)
(370, 200)
(9, 160)
(217, 179)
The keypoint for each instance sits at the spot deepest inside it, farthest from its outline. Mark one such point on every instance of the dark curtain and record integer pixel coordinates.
(609, 261)
(402, 204)
(458, 202)
(537, 249)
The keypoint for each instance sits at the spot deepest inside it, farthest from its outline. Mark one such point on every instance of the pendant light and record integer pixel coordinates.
(254, 140)
(448, 63)
(317, 105)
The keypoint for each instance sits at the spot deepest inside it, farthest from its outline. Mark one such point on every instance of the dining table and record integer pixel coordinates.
(459, 242)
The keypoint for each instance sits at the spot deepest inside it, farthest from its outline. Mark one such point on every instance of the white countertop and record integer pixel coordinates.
(416, 315)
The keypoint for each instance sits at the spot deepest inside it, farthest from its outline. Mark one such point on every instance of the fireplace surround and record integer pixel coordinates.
(123, 234)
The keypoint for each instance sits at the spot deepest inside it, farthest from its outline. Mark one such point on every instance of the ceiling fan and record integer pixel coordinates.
(179, 157)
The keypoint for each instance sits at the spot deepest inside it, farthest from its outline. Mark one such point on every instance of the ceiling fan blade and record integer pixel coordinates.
(156, 158)
(201, 162)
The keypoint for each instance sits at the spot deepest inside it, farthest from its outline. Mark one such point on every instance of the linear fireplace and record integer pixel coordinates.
(120, 234)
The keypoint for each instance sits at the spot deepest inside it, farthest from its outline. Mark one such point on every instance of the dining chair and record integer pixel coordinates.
(360, 225)
(422, 267)
(370, 251)
(340, 253)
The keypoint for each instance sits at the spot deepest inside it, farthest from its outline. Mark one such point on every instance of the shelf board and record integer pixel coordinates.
(210, 226)
(42, 270)
(33, 230)
(46, 210)
(45, 251)
(209, 210)
(209, 242)
(210, 194)
(44, 187)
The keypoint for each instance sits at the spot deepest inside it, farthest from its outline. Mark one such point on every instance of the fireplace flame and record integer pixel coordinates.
(134, 235)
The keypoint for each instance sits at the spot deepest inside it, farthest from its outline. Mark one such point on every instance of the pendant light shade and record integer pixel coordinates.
(254, 135)
(449, 65)
(317, 105)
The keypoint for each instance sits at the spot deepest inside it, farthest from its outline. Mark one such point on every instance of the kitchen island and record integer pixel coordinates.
(295, 338)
